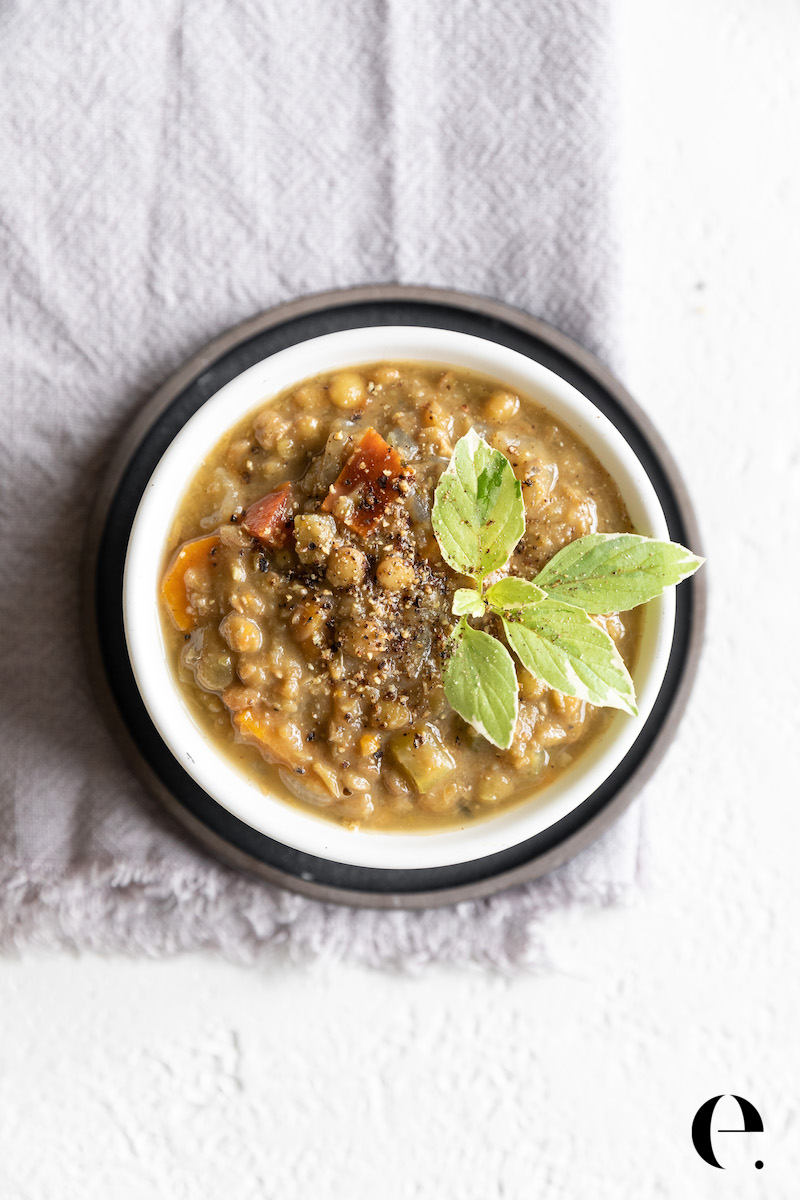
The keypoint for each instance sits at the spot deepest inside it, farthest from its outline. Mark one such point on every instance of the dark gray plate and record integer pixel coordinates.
(161, 418)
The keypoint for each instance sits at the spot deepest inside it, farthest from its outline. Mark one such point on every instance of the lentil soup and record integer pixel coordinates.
(307, 608)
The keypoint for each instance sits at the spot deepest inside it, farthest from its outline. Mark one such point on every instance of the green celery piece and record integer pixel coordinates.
(422, 754)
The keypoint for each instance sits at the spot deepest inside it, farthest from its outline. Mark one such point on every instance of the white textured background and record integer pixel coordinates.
(194, 1079)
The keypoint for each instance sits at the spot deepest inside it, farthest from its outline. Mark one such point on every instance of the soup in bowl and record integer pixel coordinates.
(289, 608)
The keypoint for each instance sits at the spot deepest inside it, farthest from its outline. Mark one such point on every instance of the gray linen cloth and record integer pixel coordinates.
(170, 168)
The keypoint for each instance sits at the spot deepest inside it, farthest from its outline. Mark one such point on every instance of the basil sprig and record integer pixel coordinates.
(478, 515)
(478, 518)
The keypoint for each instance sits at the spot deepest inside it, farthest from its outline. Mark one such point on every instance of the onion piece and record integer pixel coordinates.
(403, 443)
(301, 789)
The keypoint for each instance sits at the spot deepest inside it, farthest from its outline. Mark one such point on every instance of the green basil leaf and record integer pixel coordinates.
(468, 603)
(513, 593)
(480, 683)
(563, 647)
(478, 514)
(612, 572)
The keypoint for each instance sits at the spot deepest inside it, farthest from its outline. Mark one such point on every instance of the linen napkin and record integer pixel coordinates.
(170, 168)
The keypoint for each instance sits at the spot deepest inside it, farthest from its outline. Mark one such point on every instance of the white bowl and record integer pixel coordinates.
(293, 826)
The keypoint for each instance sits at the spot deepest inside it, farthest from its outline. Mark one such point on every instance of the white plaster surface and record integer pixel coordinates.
(193, 1079)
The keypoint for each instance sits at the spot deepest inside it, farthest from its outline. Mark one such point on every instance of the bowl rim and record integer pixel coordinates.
(247, 392)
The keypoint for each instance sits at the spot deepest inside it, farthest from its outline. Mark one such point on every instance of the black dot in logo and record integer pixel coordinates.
(759, 1164)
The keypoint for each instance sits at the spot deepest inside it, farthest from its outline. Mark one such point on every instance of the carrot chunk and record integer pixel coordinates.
(197, 554)
(279, 740)
(270, 518)
(370, 478)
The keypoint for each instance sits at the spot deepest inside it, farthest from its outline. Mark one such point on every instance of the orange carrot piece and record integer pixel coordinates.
(270, 518)
(197, 553)
(277, 739)
(370, 478)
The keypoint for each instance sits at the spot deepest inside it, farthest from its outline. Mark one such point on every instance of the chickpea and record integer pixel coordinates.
(364, 639)
(314, 534)
(269, 426)
(307, 428)
(346, 711)
(271, 472)
(251, 672)
(240, 632)
(252, 603)
(395, 574)
(308, 622)
(347, 390)
(433, 416)
(420, 390)
(385, 375)
(309, 395)
(347, 566)
(501, 407)
(248, 602)
(415, 386)
(435, 442)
